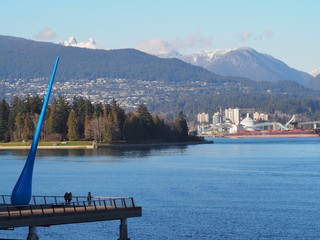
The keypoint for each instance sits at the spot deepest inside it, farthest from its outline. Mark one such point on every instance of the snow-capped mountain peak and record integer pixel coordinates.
(215, 53)
(246, 62)
(211, 56)
(72, 42)
(315, 72)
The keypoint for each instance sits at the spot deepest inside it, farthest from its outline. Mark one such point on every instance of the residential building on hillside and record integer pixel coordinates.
(203, 118)
(217, 118)
(233, 114)
(260, 116)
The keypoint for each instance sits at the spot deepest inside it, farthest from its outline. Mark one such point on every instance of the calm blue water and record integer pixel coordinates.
(233, 189)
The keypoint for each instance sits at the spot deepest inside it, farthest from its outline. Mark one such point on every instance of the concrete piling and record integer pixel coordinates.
(32, 235)
(123, 229)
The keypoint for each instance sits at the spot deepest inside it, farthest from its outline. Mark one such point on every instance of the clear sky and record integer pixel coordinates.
(286, 29)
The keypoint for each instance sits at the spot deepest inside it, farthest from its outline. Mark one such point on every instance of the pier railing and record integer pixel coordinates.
(41, 205)
(36, 200)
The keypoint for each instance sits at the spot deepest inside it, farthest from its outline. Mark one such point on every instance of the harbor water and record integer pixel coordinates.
(266, 188)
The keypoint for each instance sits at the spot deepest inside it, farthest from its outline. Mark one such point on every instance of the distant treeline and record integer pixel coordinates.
(82, 120)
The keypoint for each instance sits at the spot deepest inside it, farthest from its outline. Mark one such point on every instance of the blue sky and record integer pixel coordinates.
(285, 29)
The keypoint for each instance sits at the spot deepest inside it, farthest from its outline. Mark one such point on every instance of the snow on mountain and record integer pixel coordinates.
(72, 42)
(315, 82)
(315, 72)
(246, 62)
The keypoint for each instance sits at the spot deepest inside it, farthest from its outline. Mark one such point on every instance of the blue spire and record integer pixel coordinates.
(21, 193)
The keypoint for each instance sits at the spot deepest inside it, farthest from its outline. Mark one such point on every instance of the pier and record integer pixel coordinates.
(45, 211)
(21, 209)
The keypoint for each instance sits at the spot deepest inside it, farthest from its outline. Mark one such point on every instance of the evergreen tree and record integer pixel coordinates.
(33, 104)
(36, 104)
(82, 107)
(161, 130)
(72, 126)
(87, 128)
(88, 106)
(50, 124)
(147, 121)
(4, 118)
(109, 133)
(28, 127)
(117, 118)
(181, 126)
(15, 109)
(57, 118)
(19, 123)
(133, 130)
(98, 109)
(107, 111)
(61, 118)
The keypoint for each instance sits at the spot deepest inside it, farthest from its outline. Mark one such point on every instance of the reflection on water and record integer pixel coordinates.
(136, 151)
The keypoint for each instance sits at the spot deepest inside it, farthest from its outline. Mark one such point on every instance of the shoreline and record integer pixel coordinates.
(91, 147)
(121, 145)
(46, 147)
(268, 135)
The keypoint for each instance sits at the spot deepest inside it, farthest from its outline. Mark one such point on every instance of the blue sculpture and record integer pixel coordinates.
(21, 193)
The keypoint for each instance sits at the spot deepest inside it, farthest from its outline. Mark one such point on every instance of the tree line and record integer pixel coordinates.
(80, 119)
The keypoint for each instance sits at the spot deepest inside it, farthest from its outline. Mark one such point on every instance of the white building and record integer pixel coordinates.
(203, 118)
(248, 123)
(260, 116)
(236, 128)
(233, 114)
(217, 118)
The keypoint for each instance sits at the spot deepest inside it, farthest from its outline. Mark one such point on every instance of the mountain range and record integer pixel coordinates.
(240, 62)
(22, 58)
(248, 63)
(134, 77)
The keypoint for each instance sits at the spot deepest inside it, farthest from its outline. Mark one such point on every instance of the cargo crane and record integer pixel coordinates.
(260, 126)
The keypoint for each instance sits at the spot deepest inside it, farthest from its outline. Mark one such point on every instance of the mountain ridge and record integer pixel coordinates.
(133, 77)
(32, 59)
(247, 62)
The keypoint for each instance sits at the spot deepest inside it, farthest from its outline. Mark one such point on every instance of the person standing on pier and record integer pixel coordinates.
(89, 198)
(69, 197)
(66, 197)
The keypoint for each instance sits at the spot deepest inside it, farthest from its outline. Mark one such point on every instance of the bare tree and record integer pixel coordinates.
(97, 128)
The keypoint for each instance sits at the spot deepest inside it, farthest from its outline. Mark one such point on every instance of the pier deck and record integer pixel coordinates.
(53, 211)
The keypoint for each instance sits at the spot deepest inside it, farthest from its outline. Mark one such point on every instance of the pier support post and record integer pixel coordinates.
(33, 234)
(123, 229)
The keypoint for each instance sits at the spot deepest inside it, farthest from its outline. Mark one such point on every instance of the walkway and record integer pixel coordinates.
(53, 210)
